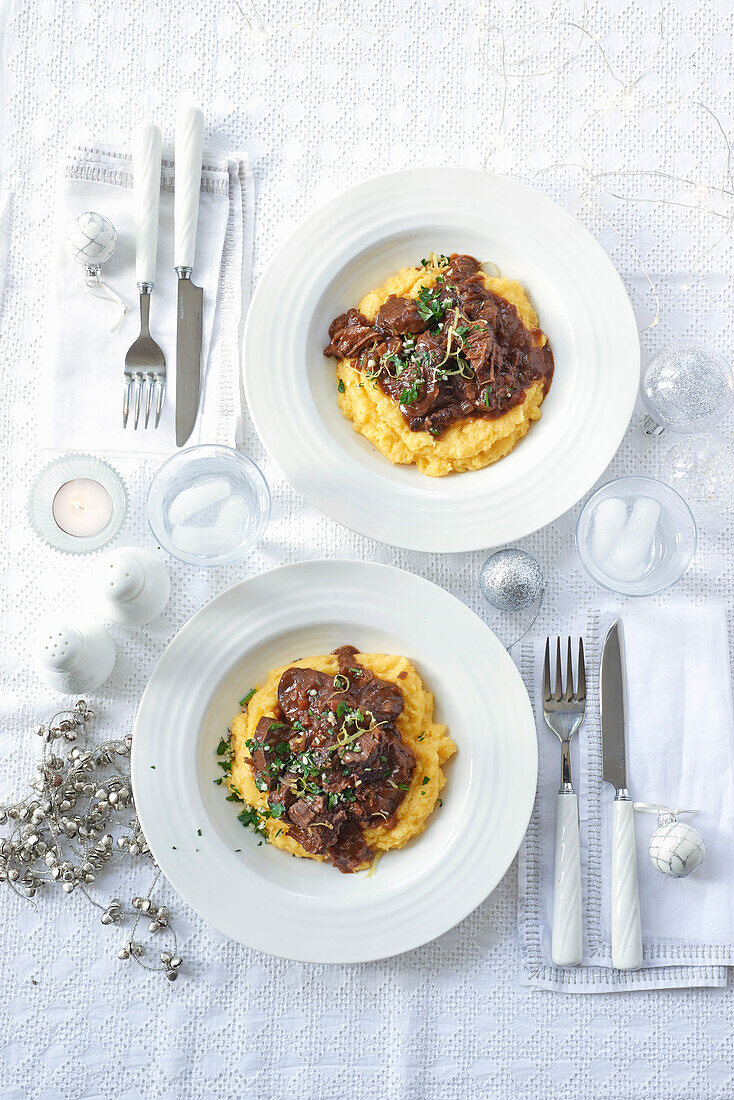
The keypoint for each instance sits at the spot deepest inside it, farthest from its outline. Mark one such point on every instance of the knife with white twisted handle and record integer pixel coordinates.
(188, 154)
(626, 926)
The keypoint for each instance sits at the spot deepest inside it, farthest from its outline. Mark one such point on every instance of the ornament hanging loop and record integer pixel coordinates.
(650, 426)
(91, 274)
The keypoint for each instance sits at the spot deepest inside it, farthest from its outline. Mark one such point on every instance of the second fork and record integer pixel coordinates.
(564, 712)
(145, 363)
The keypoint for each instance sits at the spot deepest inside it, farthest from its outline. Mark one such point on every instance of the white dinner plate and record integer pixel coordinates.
(350, 246)
(298, 908)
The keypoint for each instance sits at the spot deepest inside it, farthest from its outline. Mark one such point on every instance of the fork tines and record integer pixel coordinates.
(571, 694)
(139, 384)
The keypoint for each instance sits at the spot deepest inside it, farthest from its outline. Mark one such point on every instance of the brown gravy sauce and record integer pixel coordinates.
(331, 758)
(457, 352)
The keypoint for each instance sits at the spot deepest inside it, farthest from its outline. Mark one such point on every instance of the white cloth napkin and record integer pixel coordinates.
(83, 398)
(680, 743)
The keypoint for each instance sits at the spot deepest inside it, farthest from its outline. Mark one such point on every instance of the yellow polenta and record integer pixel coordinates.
(469, 445)
(428, 740)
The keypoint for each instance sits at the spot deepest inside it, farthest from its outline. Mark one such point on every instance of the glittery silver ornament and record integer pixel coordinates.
(511, 580)
(676, 848)
(687, 388)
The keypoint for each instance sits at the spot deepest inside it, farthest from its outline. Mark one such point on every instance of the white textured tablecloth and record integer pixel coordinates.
(322, 95)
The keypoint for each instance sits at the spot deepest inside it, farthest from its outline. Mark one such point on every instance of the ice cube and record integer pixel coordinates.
(628, 559)
(609, 518)
(204, 542)
(197, 498)
(233, 513)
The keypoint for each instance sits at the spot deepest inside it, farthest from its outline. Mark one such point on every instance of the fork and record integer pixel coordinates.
(564, 712)
(145, 363)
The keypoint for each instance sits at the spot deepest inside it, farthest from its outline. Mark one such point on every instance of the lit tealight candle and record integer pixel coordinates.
(82, 507)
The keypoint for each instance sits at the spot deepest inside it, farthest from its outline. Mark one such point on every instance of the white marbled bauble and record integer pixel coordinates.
(676, 849)
(91, 239)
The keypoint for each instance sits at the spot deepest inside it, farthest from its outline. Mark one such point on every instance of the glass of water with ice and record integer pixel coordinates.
(636, 536)
(208, 505)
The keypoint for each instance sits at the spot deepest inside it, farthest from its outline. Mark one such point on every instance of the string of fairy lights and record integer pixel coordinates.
(519, 46)
(628, 102)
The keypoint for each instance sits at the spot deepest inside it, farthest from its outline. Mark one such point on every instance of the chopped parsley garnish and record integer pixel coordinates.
(341, 387)
(250, 818)
(226, 752)
(412, 393)
(430, 305)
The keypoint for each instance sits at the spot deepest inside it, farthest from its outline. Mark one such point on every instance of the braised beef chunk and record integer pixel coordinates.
(398, 316)
(350, 333)
(461, 267)
(333, 762)
(268, 750)
(455, 352)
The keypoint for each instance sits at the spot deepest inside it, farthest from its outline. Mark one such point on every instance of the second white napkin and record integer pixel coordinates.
(83, 397)
(680, 739)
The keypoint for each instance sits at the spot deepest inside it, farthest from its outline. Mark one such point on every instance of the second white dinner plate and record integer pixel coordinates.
(298, 908)
(350, 246)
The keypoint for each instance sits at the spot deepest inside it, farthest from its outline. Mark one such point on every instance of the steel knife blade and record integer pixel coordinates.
(187, 184)
(188, 357)
(613, 708)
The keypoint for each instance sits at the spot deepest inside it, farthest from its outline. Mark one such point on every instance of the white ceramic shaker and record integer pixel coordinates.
(74, 656)
(133, 586)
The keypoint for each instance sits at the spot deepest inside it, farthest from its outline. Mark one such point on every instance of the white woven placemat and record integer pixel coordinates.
(323, 95)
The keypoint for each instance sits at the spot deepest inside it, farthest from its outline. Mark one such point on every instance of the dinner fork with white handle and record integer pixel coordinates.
(564, 713)
(145, 363)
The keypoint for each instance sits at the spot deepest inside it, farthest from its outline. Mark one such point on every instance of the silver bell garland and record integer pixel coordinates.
(78, 821)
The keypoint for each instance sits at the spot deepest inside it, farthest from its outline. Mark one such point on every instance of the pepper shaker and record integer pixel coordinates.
(74, 656)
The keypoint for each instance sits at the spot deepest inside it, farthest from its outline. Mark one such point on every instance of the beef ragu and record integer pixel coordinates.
(455, 352)
(331, 758)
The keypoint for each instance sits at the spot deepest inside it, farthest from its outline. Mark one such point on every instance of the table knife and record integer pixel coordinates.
(188, 154)
(626, 929)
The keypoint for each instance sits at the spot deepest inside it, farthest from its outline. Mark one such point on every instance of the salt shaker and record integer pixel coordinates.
(134, 586)
(74, 656)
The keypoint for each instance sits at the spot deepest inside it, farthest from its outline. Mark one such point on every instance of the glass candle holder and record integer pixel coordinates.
(636, 536)
(209, 505)
(77, 504)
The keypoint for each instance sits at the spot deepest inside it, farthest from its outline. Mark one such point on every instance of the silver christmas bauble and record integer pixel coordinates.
(675, 848)
(511, 580)
(687, 388)
(702, 470)
(91, 239)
